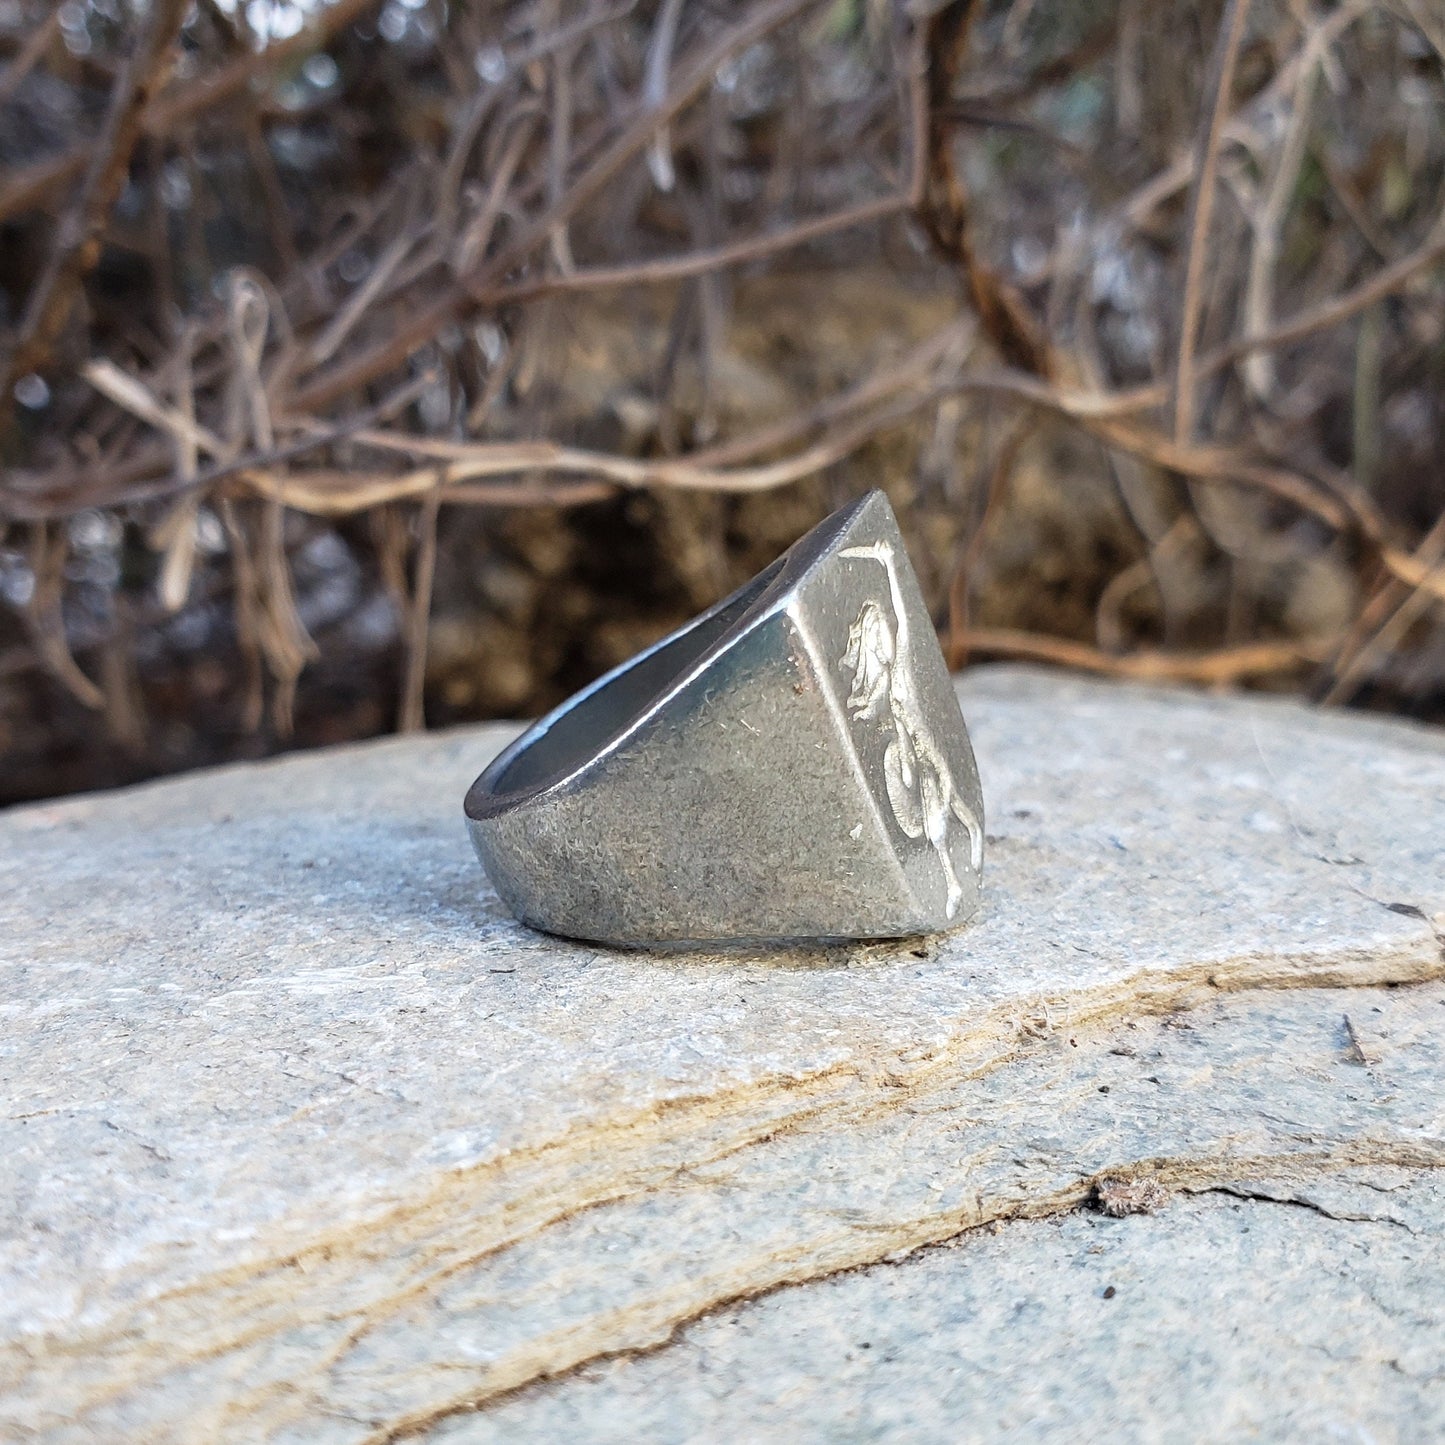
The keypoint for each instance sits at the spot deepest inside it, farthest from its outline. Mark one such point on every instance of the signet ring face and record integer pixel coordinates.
(792, 764)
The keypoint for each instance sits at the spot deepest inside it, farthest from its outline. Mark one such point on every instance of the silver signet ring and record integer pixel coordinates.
(791, 764)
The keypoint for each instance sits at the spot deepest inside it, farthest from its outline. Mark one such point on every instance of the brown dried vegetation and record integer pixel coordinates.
(392, 360)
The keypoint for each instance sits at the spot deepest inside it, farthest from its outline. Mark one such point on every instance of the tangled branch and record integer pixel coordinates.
(379, 350)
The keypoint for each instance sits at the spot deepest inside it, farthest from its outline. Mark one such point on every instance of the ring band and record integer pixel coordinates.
(791, 764)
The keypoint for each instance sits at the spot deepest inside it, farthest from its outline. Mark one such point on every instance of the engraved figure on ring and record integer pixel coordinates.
(921, 792)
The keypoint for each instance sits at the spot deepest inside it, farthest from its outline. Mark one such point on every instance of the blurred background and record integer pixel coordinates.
(380, 364)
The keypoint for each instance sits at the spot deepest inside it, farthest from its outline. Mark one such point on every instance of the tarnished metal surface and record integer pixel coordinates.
(792, 764)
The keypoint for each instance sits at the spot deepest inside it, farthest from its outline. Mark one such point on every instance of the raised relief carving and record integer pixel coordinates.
(921, 791)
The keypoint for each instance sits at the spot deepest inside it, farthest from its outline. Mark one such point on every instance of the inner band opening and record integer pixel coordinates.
(575, 733)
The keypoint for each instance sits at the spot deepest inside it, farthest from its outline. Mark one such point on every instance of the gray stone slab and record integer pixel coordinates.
(1217, 1320)
(307, 1139)
(1280, 1097)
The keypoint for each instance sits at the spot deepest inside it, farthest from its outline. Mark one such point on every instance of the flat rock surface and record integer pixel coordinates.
(1214, 1320)
(1274, 1272)
(306, 1139)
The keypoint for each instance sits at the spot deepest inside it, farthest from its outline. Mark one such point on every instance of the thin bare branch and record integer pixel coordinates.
(1219, 90)
(164, 114)
(1222, 667)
